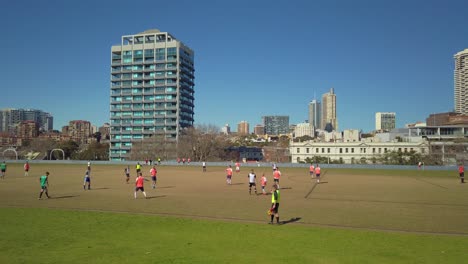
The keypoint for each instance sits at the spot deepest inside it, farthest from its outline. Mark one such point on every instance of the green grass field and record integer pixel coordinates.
(354, 216)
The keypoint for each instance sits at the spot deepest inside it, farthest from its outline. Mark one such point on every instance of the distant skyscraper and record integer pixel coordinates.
(329, 110)
(243, 128)
(315, 114)
(152, 90)
(276, 125)
(11, 118)
(461, 82)
(385, 121)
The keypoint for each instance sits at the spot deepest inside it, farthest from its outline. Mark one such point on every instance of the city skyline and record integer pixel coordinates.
(339, 46)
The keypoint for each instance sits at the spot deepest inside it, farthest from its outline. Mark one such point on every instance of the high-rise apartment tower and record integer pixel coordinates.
(461, 82)
(152, 90)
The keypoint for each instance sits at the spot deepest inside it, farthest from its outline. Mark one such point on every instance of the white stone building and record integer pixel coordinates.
(351, 152)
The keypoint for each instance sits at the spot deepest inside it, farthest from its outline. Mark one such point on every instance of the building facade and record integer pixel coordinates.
(447, 119)
(461, 82)
(276, 125)
(10, 118)
(152, 90)
(315, 114)
(385, 121)
(28, 130)
(304, 129)
(352, 152)
(243, 128)
(329, 111)
(78, 130)
(259, 130)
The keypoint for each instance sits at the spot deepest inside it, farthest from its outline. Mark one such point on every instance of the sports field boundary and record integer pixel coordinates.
(241, 220)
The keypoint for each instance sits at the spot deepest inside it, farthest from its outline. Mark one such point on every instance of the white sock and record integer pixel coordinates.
(144, 193)
(135, 195)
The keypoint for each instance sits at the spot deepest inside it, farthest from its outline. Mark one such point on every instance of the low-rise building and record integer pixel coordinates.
(351, 152)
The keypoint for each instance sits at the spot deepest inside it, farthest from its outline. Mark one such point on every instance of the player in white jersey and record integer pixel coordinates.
(252, 181)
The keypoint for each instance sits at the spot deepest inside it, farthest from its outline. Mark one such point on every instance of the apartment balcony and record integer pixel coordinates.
(116, 62)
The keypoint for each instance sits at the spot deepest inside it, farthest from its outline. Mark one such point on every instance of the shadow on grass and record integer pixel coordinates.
(63, 197)
(322, 182)
(102, 188)
(285, 188)
(157, 196)
(165, 187)
(292, 220)
(238, 183)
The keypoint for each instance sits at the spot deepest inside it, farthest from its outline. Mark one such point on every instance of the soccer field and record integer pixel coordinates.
(352, 216)
(412, 201)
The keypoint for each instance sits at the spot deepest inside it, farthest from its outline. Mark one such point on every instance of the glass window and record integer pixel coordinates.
(298, 151)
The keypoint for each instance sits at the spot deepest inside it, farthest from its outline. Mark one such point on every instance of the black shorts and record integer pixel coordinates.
(44, 188)
(128, 175)
(252, 184)
(139, 188)
(3, 170)
(228, 176)
(153, 178)
(462, 175)
(138, 170)
(276, 180)
(317, 175)
(276, 208)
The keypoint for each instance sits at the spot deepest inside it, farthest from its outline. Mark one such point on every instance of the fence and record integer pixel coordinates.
(245, 165)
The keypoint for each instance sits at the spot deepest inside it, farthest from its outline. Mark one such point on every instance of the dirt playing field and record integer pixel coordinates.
(423, 202)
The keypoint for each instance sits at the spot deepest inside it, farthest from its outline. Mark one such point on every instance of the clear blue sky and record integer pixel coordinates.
(252, 58)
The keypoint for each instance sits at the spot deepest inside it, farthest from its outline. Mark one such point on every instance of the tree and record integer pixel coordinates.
(69, 147)
(94, 151)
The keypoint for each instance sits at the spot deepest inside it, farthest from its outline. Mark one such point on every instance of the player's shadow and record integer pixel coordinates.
(240, 183)
(102, 188)
(322, 182)
(165, 187)
(285, 188)
(63, 197)
(157, 196)
(292, 220)
(265, 194)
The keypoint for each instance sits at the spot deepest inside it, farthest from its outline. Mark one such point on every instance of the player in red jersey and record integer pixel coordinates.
(139, 183)
(229, 175)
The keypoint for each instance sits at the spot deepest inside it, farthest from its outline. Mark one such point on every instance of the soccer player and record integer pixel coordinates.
(204, 166)
(273, 166)
(317, 172)
(252, 181)
(153, 173)
(127, 173)
(139, 185)
(87, 180)
(275, 199)
(89, 165)
(311, 170)
(276, 177)
(3, 168)
(229, 175)
(138, 168)
(264, 183)
(44, 181)
(26, 168)
(237, 167)
(461, 171)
